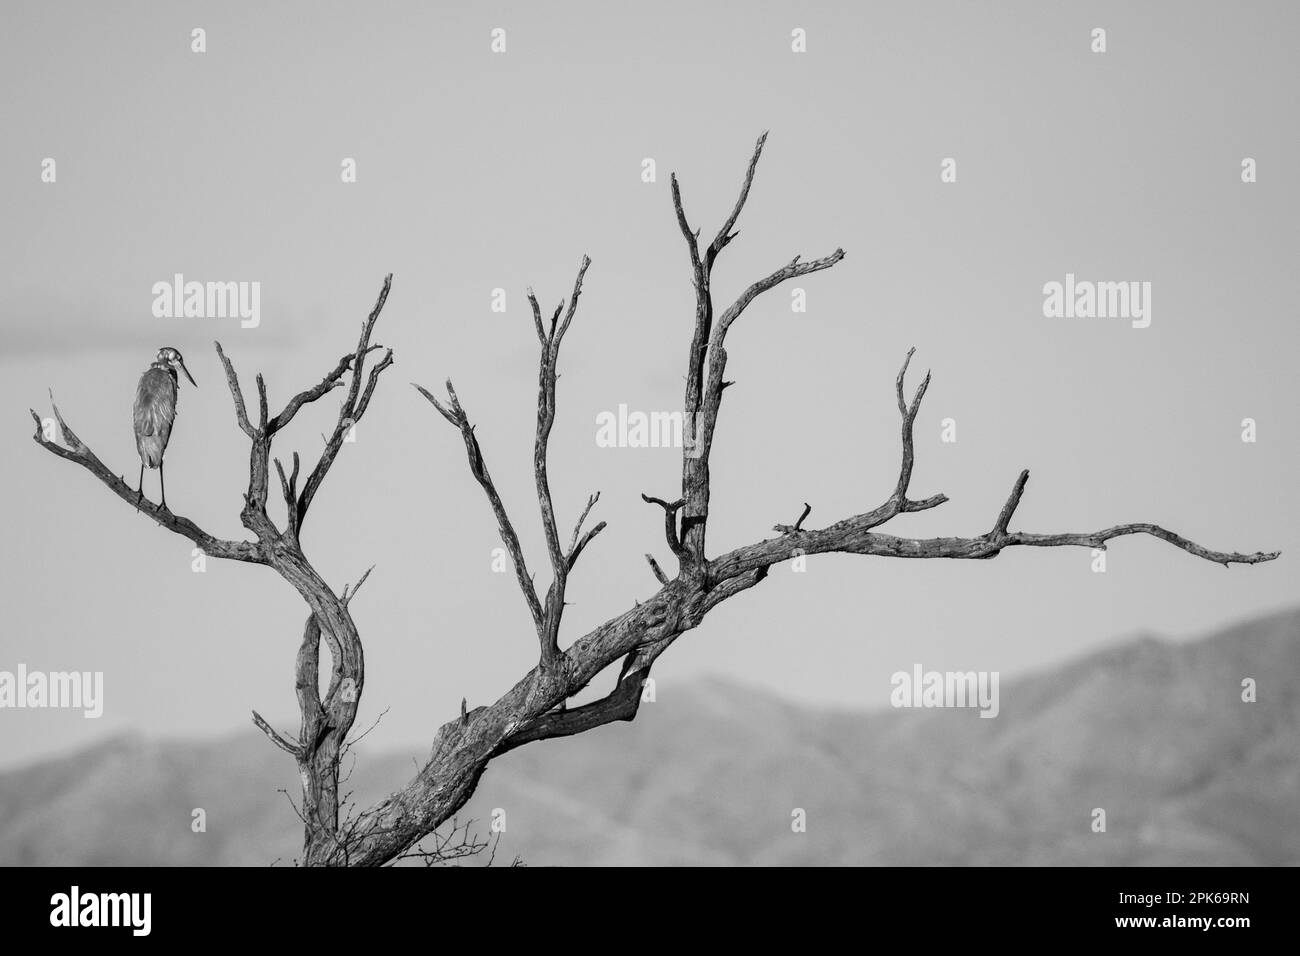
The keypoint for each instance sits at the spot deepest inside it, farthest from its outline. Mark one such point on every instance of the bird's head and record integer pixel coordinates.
(171, 358)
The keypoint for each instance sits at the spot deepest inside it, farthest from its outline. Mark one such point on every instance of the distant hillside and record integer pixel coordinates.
(1155, 733)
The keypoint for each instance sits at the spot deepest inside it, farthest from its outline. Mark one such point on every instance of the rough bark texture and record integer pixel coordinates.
(326, 721)
(534, 708)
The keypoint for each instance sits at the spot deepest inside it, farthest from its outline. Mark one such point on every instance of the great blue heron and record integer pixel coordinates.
(154, 411)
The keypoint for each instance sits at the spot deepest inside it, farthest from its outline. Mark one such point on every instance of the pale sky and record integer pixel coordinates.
(479, 170)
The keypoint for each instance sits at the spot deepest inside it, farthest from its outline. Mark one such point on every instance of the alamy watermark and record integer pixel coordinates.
(633, 429)
(1084, 299)
(919, 688)
(56, 689)
(76, 908)
(208, 300)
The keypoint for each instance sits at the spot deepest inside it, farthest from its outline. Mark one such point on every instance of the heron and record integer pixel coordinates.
(155, 411)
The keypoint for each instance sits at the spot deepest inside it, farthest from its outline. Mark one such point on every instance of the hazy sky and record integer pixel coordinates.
(479, 170)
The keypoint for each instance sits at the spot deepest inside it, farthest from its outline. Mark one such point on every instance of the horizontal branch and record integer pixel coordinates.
(1098, 539)
(853, 536)
(79, 452)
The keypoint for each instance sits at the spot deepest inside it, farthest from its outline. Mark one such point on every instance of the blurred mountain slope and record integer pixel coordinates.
(709, 773)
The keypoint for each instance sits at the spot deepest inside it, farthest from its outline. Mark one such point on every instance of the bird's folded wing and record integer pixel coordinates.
(155, 403)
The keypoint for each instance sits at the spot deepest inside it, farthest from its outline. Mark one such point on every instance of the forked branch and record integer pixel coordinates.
(534, 709)
(325, 722)
(547, 616)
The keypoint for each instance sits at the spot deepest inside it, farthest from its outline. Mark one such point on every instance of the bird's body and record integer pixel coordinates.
(154, 411)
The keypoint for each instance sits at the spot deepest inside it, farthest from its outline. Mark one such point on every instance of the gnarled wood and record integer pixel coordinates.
(534, 709)
(326, 721)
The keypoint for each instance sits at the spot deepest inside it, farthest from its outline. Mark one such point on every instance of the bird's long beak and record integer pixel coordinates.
(181, 363)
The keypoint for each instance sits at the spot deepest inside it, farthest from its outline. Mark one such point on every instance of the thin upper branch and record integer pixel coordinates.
(354, 404)
(692, 237)
(1009, 509)
(707, 359)
(333, 379)
(347, 597)
(791, 270)
(546, 385)
(908, 411)
(455, 414)
(236, 393)
(580, 541)
(725, 235)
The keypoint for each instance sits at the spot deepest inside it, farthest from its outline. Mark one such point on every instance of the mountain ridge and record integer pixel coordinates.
(1152, 731)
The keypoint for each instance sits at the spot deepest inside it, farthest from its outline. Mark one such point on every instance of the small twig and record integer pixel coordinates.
(658, 571)
(276, 737)
(797, 526)
(1009, 509)
(346, 597)
(670, 522)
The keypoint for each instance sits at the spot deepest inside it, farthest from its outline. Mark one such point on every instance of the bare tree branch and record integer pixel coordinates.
(581, 544)
(621, 703)
(536, 707)
(1009, 509)
(325, 722)
(455, 414)
(704, 400)
(332, 380)
(670, 523)
(232, 379)
(289, 489)
(81, 453)
(346, 597)
(658, 571)
(276, 738)
(908, 412)
(546, 386)
(725, 235)
(547, 616)
(354, 404)
(798, 525)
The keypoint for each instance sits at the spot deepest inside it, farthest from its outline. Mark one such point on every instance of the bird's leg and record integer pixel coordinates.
(139, 488)
(162, 485)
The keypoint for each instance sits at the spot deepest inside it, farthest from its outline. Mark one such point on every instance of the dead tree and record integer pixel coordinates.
(326, 720)
(535, 707)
